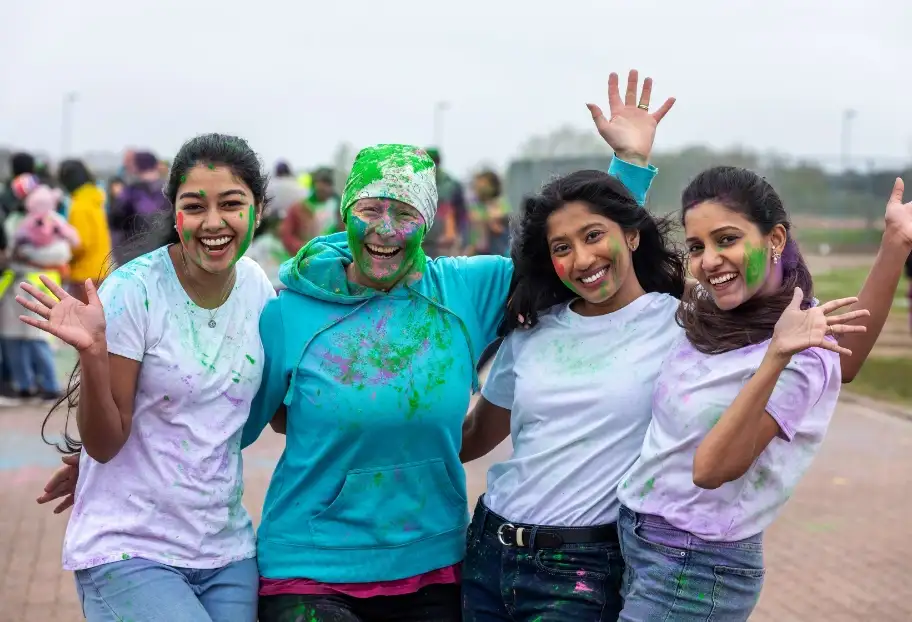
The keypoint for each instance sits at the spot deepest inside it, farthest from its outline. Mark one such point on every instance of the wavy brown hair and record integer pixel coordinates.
(710, 329)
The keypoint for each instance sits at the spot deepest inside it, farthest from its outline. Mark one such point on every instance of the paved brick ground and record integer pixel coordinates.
(840, 552)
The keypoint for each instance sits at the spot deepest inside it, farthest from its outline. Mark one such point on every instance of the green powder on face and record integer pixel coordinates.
(212, 167)
(202, 193)
(755, 264)
(251, 216)
(183, 179)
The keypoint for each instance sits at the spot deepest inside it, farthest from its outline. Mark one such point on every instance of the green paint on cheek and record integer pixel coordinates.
(755, 264)
(183, 179)
(251, 216)
(212, 167)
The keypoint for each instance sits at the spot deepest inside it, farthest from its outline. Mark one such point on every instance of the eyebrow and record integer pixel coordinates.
(222, 195)
(580, 230)
(716, 231)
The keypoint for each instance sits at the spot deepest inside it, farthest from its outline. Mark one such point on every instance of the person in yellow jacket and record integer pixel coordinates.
(87, 216)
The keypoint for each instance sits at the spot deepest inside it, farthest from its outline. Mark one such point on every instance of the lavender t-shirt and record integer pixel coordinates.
(691, 393)
(173, 493)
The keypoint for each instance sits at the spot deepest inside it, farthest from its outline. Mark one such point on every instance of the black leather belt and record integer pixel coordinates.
(519, 535)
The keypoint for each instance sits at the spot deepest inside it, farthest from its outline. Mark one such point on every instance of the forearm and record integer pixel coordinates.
(102, 427)
(729, 448)
(876, 296)
(478, 438)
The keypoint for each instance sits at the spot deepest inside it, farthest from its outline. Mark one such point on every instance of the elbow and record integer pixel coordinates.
(102, 455)
(706, 475)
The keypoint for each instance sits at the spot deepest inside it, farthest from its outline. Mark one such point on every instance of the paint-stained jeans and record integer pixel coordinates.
(145, 591)
(674, 575)
(575, 582)
(434, 603)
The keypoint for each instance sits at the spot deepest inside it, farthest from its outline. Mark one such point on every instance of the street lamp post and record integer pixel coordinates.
(66, 128)
(846, 145)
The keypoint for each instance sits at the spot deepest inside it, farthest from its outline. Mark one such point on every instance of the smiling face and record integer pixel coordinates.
(385, 239)
(729, 255)
(216, 217)
(592, 256)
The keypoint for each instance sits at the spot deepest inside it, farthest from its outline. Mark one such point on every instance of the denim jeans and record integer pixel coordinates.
(578, 582)
(31, 364)
(144, 591)
(674, 575)
(434, 603)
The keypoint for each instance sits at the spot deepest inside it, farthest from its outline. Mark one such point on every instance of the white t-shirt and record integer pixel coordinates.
(692, 393)
(580, 391)
(173, 493)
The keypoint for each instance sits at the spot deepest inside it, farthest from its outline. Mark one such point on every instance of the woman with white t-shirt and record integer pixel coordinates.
(170, 359)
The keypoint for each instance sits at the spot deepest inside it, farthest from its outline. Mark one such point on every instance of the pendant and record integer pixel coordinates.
(211, 323)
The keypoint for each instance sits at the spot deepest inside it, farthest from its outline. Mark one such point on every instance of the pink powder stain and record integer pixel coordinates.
(234, 400)
(582, 587)
(581, 573)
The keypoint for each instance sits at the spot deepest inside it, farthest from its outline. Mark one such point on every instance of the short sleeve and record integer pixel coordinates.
(500, 384)
(801, 385)
(126, 306)
(488, 278)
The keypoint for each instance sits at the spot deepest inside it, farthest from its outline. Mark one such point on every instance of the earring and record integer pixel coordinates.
(776, 257)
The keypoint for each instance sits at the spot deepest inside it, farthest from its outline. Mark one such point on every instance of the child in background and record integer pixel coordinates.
(43, 238)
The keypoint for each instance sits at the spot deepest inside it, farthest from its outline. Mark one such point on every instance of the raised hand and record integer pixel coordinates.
(799, 329)
(630, 131)
(62, 484)
(898, 218)
(80, 325)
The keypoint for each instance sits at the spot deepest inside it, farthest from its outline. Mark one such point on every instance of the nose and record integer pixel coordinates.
(214, 220)
(583, 259)
(710, 260)
(385, 226)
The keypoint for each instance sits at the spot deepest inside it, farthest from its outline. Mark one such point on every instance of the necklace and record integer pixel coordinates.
(212, 312)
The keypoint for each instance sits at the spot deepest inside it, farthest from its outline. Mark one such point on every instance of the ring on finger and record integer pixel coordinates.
(643, 107)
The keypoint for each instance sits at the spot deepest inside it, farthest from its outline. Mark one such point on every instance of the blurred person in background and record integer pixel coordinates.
(314, 216)
(489, 217)
(27, 350)
(87, 216)
(284, 190)
(452, 222)
(140, 204)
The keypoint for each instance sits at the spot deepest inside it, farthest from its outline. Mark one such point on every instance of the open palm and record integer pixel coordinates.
(799, 329)
(80, 325)
(631, 128)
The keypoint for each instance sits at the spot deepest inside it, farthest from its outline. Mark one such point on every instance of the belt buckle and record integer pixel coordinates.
(500, 530)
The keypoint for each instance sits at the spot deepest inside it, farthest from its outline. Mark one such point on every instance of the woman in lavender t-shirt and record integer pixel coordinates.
(740, 408)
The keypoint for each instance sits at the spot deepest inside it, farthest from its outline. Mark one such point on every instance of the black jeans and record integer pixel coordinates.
(573, 582)
(434, 603)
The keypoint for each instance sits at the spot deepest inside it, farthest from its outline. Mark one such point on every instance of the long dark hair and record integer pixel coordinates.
(710, 329)
(658, 265)
(73, 174)
(215, 149)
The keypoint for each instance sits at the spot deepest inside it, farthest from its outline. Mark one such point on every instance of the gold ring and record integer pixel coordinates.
(643, 107)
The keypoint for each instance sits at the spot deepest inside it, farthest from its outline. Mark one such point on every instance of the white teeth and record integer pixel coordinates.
(725, 278)
(215, 241)
(595, 277)
(383, 250)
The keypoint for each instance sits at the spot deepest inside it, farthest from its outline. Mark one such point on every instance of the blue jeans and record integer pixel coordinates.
(31, 364)
(676, 576)
(578, 582)
(144, 591)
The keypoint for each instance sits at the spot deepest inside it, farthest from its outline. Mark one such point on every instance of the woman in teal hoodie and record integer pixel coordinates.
(371, 351)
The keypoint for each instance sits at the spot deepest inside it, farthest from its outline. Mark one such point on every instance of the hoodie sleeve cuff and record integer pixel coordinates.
(638, 179)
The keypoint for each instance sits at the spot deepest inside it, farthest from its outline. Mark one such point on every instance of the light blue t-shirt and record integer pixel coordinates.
(580, 391)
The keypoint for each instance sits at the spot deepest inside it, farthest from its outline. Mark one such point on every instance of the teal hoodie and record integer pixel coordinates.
(376, 385)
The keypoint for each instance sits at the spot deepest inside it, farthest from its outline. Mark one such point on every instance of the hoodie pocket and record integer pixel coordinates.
(390, 507)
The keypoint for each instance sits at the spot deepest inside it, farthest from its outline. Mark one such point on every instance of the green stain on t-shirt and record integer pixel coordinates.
(250, 359)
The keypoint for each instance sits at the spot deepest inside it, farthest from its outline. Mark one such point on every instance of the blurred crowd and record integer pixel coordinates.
(69, 226)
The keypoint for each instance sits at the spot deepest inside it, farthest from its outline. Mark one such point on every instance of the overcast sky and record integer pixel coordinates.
(296, 78)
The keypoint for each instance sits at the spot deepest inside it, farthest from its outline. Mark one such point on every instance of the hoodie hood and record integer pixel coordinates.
(318, 271)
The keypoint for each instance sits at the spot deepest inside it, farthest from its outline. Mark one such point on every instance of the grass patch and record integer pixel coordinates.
(847, 282)
(841, 239)
(885, 379)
